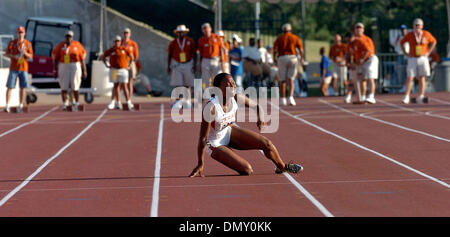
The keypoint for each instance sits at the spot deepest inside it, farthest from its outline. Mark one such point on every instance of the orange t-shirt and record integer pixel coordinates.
(20, 64)
(210, 47)
(73, 53)
(361, 45)
(286, 44)
(131, 46)
(338, 50)
(118, 57)
(178, 47)
(418, 45)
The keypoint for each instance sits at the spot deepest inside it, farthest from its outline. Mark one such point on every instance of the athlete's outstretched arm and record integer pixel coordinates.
(204, 131)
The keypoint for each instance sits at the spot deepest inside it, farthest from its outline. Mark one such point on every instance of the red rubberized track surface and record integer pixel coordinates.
(386, 159)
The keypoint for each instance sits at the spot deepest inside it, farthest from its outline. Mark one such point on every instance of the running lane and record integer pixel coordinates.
(106, 172)
(351, 181)
(222, 192)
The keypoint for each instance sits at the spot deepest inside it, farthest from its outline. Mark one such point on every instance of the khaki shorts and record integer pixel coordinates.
(181, 74)
(339, 71)
(250, 67)
(210, 68)
(370, 68)
(287, 67)
(118, 75)
(327, 80)
(418, 67)
(69, 76)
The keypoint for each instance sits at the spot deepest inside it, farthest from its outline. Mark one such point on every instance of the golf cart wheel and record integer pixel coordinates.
(31, 98)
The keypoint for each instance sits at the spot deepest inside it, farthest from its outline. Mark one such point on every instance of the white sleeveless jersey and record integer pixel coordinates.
(222, 120)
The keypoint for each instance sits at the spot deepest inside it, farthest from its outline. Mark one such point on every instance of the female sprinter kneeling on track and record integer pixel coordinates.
(221, 135)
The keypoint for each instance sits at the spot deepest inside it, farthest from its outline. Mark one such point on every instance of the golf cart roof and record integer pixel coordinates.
(54, 20)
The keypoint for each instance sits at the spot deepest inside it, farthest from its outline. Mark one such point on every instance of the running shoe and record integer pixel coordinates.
(292, 101)
(371, 100)
(405, 100)
(291, 168)
(7, 110)
(75, 107)
(363, 98)
(348, 99)
(118, 105)
(130, 105)
(111, 104)
(283, 101)
(19, 109)
(64, 107)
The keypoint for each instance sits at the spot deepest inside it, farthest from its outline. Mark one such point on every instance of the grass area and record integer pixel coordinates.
(312, 50)
(311, 46)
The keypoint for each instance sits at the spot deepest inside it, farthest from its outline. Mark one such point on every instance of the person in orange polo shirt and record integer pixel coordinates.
(421, 44)
(118, 74)
(210, 47)
(286, 55)
(68, 57)
(339, 69)
(131, 46)
(181, 62)
(19, 51)
(367, 63)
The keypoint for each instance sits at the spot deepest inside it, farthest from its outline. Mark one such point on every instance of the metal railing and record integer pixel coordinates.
(392, 72)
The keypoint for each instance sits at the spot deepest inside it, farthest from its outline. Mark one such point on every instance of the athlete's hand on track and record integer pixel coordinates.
(198, 171)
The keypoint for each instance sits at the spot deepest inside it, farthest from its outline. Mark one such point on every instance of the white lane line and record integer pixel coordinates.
(155, 197)
(385, 122)
(413, 110)
(28, 123)
(27, 180)
(365, 148)
(308, 195)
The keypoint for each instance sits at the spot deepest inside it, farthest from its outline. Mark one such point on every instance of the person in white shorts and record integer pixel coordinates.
(211, 49)
(119, 67)
(339, 69)
(421, 44)
(181, 63)
(219, 134)
(69, 64)
(367, 63)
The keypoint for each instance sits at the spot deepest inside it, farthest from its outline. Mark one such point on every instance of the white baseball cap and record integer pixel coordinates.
(418, 21)
(69, 32)
(127, 30)
(117, 38)
(359, 24)
(286, 27)
(205, 25)
(220, 33)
